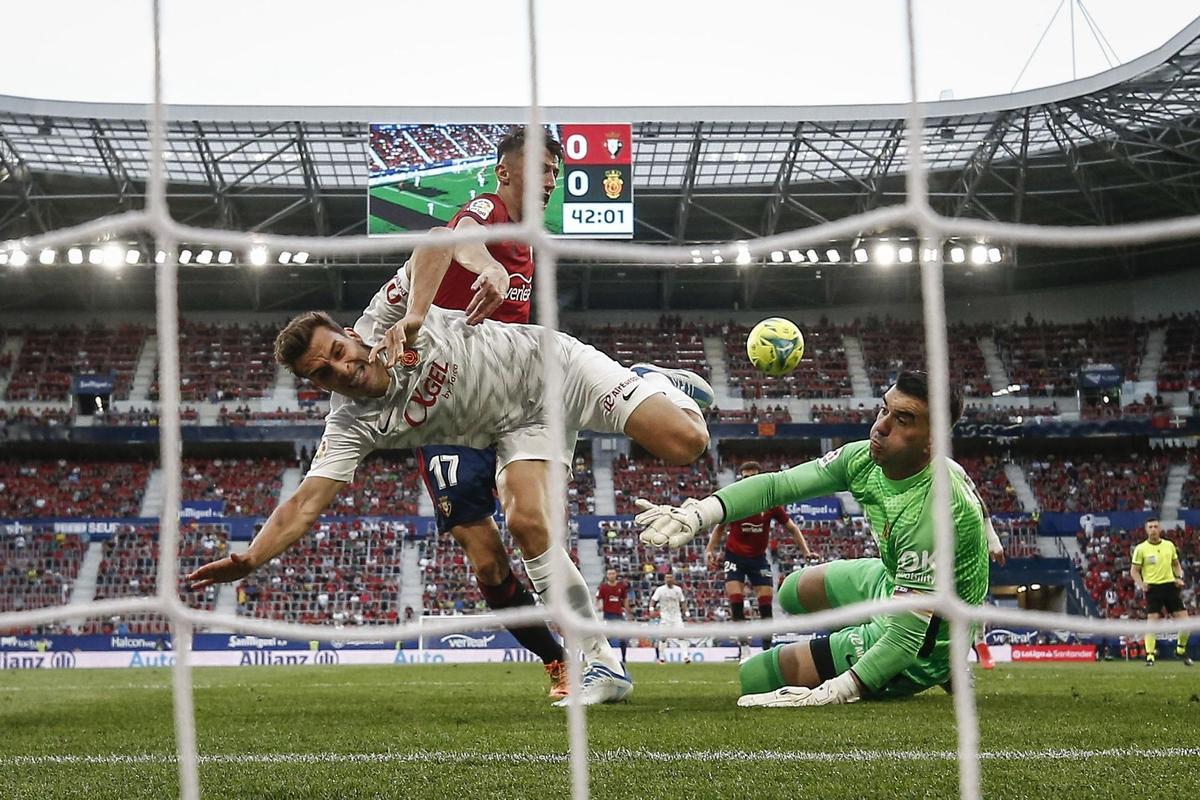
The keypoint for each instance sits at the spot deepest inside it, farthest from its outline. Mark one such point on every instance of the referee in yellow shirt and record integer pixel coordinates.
(1159, 575)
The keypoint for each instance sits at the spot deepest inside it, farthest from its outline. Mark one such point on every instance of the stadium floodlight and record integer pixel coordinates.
(18, 258)
(718, 259)
(794, 256)
(205, 256)
(832, 255)
(979, 254)
(46, 257)
(74, 256)
(3, 258)
(285, 257)
(860, 255)
(224, 257)
(185, 256)
(302, 258)
(114, 254)
(258, 255)
(95, 256)
(132, 256)
(812, 256)
(776, 256)
(957, 255)
(1033, 587)
(885, 254)
(994, 255)
(929, 255)
(906, 255)
(743, 254)
(160, 257)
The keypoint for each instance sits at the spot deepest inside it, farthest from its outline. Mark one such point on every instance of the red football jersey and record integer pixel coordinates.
(612, 596)
(516, 257)
(749, 537)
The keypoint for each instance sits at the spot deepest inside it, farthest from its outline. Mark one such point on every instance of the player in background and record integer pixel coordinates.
(672, 607)
(614, 604)
(461, 481)
(745, 559)
(432, 377)
(1157, 573)
(893, 655)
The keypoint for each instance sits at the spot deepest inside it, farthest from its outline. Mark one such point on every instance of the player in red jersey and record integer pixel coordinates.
(745, 558)
(614, 602)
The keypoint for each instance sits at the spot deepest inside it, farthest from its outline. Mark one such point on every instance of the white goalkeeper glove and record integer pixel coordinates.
(835, 691)
(670, 526)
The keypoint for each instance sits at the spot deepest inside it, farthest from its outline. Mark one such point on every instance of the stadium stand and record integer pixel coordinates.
(49, 357)
(652, 480)
(673, 343)
(434, 142)
(32, 489)
(1179, 370)
(988, 474)
(1098, 482)
(36, 417)
(581, 488)
(1190, 497)
(752, 415)
(388, 485)
(347, 572)
(243, 415)
(823, 373)
(38, 568)
(394, 148)
(130, 569)
(890, 346)
(219, 363)
(249, 487)
(1045, 357)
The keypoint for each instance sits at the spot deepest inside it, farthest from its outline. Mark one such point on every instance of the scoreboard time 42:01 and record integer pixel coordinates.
(598, 185)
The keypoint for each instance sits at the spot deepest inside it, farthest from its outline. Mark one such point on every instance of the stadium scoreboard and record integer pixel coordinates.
(598, 181)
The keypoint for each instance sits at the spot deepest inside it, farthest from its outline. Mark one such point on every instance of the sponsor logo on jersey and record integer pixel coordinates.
(519, 294)
(610, 400)
(613, 144)
(915, 567)
(613, 184)
(829, 458)
(395, 295)
(482, 207)
(426, 395)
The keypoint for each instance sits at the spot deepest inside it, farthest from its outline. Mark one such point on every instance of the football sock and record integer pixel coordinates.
(1151, 645)
(541, 570)
(765, 612)
(537, 639)
(761, 672)
(1181, 645)
(660, 381)
(737, 610)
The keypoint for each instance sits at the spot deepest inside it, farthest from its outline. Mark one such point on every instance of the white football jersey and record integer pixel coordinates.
(472, 386)
(669, 600)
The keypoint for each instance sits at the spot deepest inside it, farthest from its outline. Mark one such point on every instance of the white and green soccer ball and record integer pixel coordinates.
(775, 346)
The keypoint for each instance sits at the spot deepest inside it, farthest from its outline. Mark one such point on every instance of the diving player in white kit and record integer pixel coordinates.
(434, 378)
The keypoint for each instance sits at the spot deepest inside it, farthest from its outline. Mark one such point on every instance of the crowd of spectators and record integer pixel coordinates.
(1179, 370)
(753, 415)
(26, 417)
(394, 149)
(243, 415)
(50, 357)
(671, 342)
(1008, 415)
(826, 414)
(32, 489)
(892, 346)
(387, 485)
(651, 479)
(1098, 482)
(222, 363)
(38, 568)
(1045, 357)
(823, 372)
(987, 473)
(346, 572)
(249, 487)
(144, 417)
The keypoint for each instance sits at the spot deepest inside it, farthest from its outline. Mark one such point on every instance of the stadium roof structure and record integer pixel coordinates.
(1120, 146)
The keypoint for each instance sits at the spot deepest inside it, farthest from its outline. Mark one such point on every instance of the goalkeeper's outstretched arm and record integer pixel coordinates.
(290, 520)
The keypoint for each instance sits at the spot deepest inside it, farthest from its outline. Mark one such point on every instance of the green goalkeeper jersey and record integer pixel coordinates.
(901, 517)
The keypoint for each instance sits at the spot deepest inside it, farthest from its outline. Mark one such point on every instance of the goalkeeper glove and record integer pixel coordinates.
(670, 526)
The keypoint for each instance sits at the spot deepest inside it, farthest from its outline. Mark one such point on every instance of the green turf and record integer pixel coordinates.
(469, 711)
(453, 191)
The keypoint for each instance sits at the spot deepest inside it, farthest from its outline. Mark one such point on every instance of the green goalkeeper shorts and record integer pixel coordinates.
(854, 581)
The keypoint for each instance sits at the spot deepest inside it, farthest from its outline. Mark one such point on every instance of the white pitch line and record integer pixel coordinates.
(604, 756)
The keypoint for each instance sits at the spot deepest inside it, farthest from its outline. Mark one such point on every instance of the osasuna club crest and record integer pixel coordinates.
(444, 504)
(613, 144)
(613, 184)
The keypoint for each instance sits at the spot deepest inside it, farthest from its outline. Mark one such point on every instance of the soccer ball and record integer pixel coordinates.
(775, 346)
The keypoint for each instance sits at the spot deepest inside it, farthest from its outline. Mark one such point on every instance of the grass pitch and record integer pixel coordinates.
(438, 199)
(482, 731)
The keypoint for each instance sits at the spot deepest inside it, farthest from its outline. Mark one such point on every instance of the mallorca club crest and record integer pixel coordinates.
(613, 144)
(613, 184)
(410, 358)
(444, 505)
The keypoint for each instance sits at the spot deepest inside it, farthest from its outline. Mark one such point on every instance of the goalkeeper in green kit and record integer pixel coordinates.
(893, 655)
